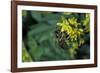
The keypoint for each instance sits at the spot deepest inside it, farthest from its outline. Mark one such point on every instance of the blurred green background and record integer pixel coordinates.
(51, 36)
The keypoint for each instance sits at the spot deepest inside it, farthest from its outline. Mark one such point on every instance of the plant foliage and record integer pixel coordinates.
(50, 36)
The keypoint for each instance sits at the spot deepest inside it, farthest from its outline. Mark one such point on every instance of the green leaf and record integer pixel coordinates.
(25, 55)
(36, 15)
